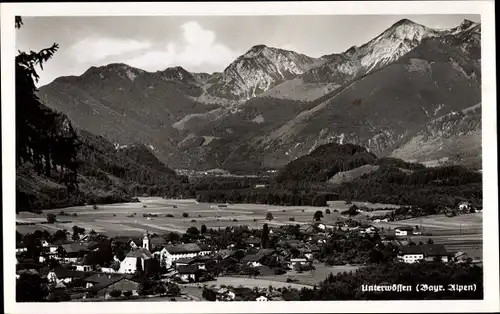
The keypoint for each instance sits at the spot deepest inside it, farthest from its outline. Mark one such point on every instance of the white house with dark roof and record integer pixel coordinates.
(403, 231)
(171, 253)
(426, 252)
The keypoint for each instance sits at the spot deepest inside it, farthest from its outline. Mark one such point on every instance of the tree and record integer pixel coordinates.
(44, 138)
(162, 290)
(51, 218)
(318, 215)
(59, 295)
(173, 289)
(138, 265)
(193, 231)
(265, 236)
(127, 293)
(185, 215)
(269, 216)
(115, 293)
(327, 211)
(203, 229)
(31, 288)
(209, 294)
(430, 241)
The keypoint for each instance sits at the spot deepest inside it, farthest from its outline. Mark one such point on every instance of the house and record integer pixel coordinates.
(224, 294)
(156, 244)
(261, 186)
(244, 294)
(252, 260)
(302, 260)
(26, 271)
(253, 242)
(71, 252)
(265, 271)
(171, 253)
(134, 258)
(188, 272)
(21, 247)
(262, 298)
(426, 252)
(464, 207)
(403, 231)
(411, 254)
(204, 249)
(100, 285)
(315, 227)
(62, 274)
(82, 267)
(461, 257)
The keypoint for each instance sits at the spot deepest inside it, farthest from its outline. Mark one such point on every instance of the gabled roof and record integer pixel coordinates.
(204, 246)
(157, 241)
(183, 248)
(314, 248)
(63, 272)
(123, 239)
(187, 269)
(265, 252)
(253, 241)
(102, 277)
(185, 261)
(106, 281)
(251, 258)
(140, 253)
(404, 228)
(426, 249)
(75, 247)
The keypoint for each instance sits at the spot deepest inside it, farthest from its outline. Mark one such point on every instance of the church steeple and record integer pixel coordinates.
(146, 241)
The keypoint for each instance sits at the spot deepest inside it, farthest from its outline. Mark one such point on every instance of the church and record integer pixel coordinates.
(138, 258)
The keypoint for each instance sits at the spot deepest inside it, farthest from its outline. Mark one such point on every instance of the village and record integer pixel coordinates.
(216, 264)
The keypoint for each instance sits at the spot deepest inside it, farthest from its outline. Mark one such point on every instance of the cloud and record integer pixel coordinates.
(197, 49)
(95, 49)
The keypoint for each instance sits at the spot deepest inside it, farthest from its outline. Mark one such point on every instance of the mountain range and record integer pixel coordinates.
(405, 93)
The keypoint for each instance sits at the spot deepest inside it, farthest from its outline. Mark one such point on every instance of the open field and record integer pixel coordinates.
(113, 219)
(248, 283)
(313, 277)
(459, 233)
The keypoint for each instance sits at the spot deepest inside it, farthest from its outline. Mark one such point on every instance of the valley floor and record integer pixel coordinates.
(460, 233)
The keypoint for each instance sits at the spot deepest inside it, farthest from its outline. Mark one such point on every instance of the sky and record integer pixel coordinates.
(198, 43)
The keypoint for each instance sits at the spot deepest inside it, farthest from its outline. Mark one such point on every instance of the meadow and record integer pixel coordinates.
(460, 233)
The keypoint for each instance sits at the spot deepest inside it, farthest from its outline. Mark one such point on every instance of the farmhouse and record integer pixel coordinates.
(253, 242)
(21, 247)
(427, 252)
(204, 249)
(464, 206)
(188, 272)
(61, 275)
(252, 260)
(198, 261)
(71, 252)
(403, 231)
(262, 298)
(171, 253)
(100, 285)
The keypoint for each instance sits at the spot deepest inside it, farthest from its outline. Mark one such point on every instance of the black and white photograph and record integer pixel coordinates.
(182, 154)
